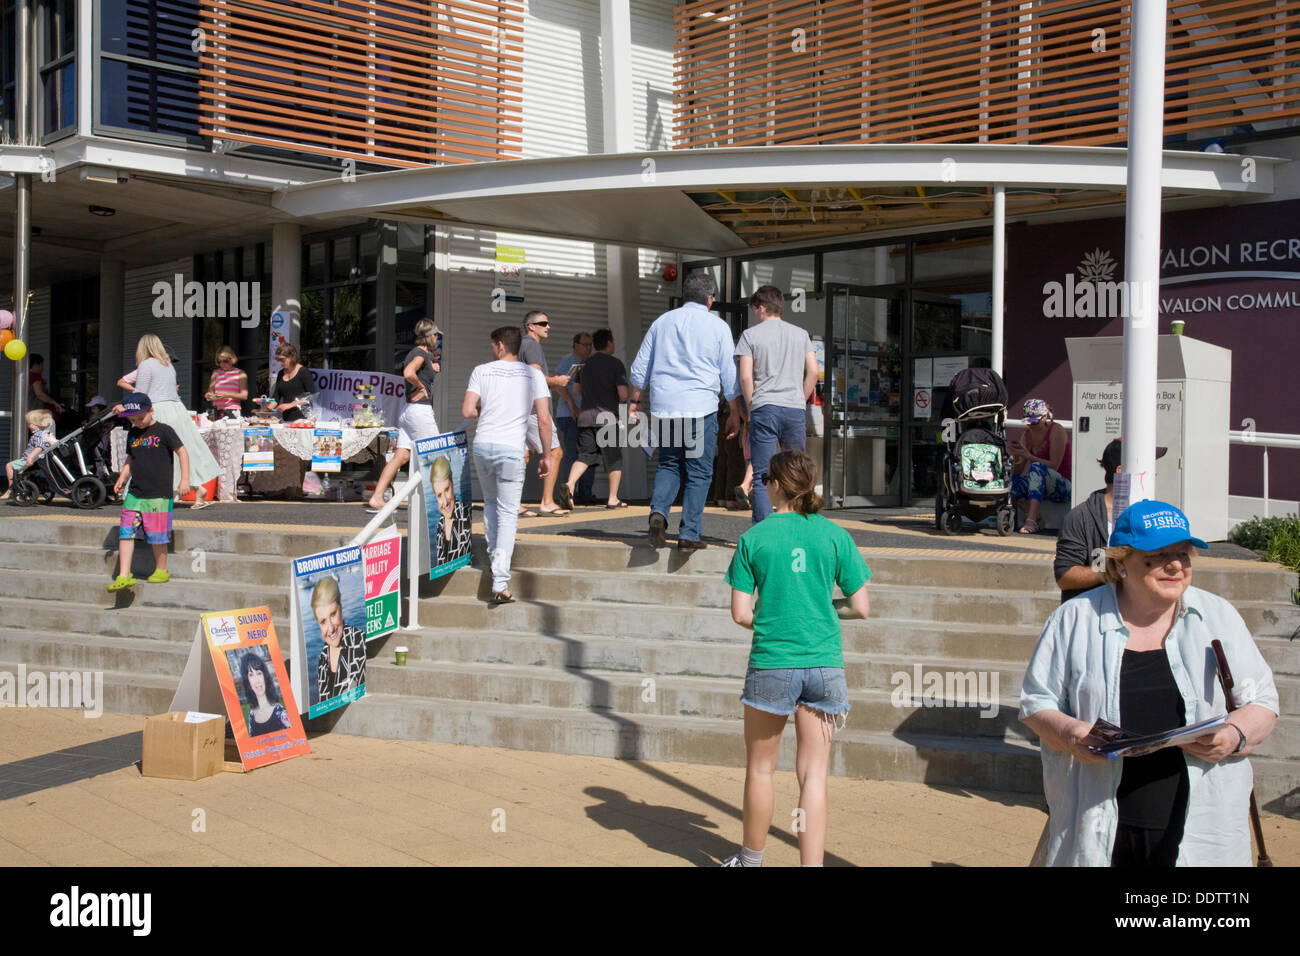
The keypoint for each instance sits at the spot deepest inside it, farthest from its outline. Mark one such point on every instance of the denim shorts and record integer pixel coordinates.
(781, 690)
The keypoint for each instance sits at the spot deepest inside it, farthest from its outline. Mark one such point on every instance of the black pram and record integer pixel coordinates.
(976, 467)
(66, 468)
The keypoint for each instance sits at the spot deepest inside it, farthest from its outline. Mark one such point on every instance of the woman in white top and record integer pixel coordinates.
(156, 377)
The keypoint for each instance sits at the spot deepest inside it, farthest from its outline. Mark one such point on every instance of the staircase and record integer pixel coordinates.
(615, 650)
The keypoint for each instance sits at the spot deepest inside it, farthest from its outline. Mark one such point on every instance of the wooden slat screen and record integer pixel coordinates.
(386, 82)
(751, 73)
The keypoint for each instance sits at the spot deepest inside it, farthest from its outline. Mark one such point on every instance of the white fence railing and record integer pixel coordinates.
(1250, 437)
(415, 527)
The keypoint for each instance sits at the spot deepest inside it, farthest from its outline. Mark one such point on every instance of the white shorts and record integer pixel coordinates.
(535, 434)
(416, 422)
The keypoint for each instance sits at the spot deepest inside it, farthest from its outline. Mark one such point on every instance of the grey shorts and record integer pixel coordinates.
(535, 434)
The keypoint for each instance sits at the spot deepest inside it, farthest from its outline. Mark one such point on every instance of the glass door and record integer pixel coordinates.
(862, 396)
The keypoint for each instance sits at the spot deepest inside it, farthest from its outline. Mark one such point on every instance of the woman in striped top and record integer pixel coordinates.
(228, 389)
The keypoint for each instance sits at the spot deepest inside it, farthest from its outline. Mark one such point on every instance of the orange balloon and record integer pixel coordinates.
(5, 337)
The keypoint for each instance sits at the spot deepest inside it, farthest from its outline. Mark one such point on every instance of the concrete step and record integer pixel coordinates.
(98, 562)
(282, 541)
(945, 761)
(193, 596)
(83, 622)
(123, 693)
(48, 650)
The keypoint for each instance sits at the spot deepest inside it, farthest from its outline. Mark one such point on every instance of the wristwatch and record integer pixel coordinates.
(1241, 743)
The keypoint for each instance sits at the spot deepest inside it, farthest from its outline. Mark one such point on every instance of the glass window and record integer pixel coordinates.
(787, 274)
(314, 264)
(867, 266)
(341, 269)
(937, 259)
(312, 322)
(369, 254)
(410, 250)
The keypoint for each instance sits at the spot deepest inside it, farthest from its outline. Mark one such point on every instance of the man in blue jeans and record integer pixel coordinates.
(502, 395)
(566, 417)
(778, 372)
(683, 361)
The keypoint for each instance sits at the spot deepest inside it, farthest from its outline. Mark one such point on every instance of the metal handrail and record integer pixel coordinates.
(413, 488)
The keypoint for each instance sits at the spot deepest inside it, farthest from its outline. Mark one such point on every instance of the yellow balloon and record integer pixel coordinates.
(15, 350)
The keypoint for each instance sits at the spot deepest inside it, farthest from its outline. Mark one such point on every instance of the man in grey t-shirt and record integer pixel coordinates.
(537, 328)
(778, 372)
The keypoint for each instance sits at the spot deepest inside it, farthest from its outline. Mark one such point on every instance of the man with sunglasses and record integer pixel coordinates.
(537, 328)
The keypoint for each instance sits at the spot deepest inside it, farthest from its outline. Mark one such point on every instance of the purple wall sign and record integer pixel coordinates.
(1232, 274)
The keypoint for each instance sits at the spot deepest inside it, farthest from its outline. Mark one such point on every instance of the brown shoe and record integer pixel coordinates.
(684, 545)
(658, 530)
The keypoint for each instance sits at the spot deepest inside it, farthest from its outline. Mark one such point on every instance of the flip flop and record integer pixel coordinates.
(558, 513)
(621, 504)
(501, 597)
(528, 513)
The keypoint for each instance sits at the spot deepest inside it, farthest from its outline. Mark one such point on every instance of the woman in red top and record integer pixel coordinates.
(1042, 460)
(228, 389)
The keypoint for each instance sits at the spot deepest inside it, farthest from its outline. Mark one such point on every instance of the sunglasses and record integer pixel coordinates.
(764, 478)
(540, 323)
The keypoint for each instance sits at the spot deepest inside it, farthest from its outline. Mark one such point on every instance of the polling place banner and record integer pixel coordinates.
(259, 701)
(448, 505)
(328, 608)
(334, 394)
(383, 559)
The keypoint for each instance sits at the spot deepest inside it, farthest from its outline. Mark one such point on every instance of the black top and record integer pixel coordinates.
(291, 389)
(149, 452)
(1082, 533)
(424, 373)
(1153, 788)
(279, 720)
(599, 378)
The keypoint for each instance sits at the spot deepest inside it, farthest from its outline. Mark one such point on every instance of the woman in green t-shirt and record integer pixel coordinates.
(794, 558)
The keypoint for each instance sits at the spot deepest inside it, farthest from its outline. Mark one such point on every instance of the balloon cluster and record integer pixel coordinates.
(12, 345)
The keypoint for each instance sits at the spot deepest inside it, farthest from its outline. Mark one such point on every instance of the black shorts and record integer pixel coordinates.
(591, 454)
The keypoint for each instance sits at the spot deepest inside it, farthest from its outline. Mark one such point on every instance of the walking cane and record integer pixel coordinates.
(1225, 680)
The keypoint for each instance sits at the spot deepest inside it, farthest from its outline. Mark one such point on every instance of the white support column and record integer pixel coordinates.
(85, 69)
(286, 276)
(1142, 244)
(112, 310)
(622, 273)
(999, 272)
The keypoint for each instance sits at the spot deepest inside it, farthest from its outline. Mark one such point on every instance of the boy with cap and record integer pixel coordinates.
(147, 506)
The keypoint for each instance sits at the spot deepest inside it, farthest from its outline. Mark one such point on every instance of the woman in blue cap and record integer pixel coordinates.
(1140, 650)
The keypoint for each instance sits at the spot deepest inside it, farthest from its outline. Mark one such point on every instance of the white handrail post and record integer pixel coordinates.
(1265, 481)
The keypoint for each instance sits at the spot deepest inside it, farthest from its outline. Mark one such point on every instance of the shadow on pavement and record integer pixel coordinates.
(23, 777)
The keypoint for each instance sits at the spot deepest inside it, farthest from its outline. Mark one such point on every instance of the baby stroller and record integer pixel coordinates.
(62, 469)
(976, 467)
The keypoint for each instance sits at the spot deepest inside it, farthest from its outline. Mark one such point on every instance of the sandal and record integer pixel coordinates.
(527, 513)
(742, 496)
(1029, 527)
(557, 513)
(501, 597)
(621, 504)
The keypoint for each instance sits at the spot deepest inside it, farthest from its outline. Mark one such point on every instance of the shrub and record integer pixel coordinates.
(1284, 548)
(1258, 534)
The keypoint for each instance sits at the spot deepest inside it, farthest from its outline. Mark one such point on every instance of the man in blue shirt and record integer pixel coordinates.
(684, 360)
(566, 417)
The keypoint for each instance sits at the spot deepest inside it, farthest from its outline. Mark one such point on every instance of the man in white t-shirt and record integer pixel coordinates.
(502, 395)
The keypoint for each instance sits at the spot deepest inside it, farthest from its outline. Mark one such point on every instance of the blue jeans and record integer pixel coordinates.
(569, 440)
(686, 447)
(771, 428)
(500, 471)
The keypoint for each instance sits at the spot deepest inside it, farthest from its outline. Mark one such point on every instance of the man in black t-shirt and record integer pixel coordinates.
(147, 507)
(602, 385)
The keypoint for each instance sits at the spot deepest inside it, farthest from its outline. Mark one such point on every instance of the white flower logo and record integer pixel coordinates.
(1097, 266)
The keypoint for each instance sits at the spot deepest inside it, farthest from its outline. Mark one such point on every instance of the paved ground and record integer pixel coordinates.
(71, 794)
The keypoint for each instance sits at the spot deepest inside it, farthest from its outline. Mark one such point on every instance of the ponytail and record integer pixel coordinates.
(797, 474)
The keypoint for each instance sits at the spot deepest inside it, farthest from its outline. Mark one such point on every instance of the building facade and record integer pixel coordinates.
(359, 165)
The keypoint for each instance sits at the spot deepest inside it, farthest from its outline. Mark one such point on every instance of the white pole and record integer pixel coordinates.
(1142, 243)
(999, 270)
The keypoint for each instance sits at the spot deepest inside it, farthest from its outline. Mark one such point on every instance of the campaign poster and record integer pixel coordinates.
(259, 449)
(327, 449)
(383, 559)
(259, 701)
(331, 598)
(448, 505)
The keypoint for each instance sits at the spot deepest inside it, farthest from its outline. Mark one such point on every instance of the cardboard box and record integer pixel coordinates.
(183, 746)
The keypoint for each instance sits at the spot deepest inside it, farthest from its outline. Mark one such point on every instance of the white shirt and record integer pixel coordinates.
(507, 391)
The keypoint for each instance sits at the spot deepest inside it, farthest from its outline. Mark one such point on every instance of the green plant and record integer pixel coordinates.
(1257, 534)
(1284, 548)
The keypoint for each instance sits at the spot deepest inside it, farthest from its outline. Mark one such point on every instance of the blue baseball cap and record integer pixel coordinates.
(137, 403)
(1152, 525)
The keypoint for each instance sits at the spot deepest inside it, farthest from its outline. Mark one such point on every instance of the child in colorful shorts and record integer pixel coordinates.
(41, 424)
(793, 560)
(148, 504)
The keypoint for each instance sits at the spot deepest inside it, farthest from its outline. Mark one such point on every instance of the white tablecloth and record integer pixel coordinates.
(299, 441)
